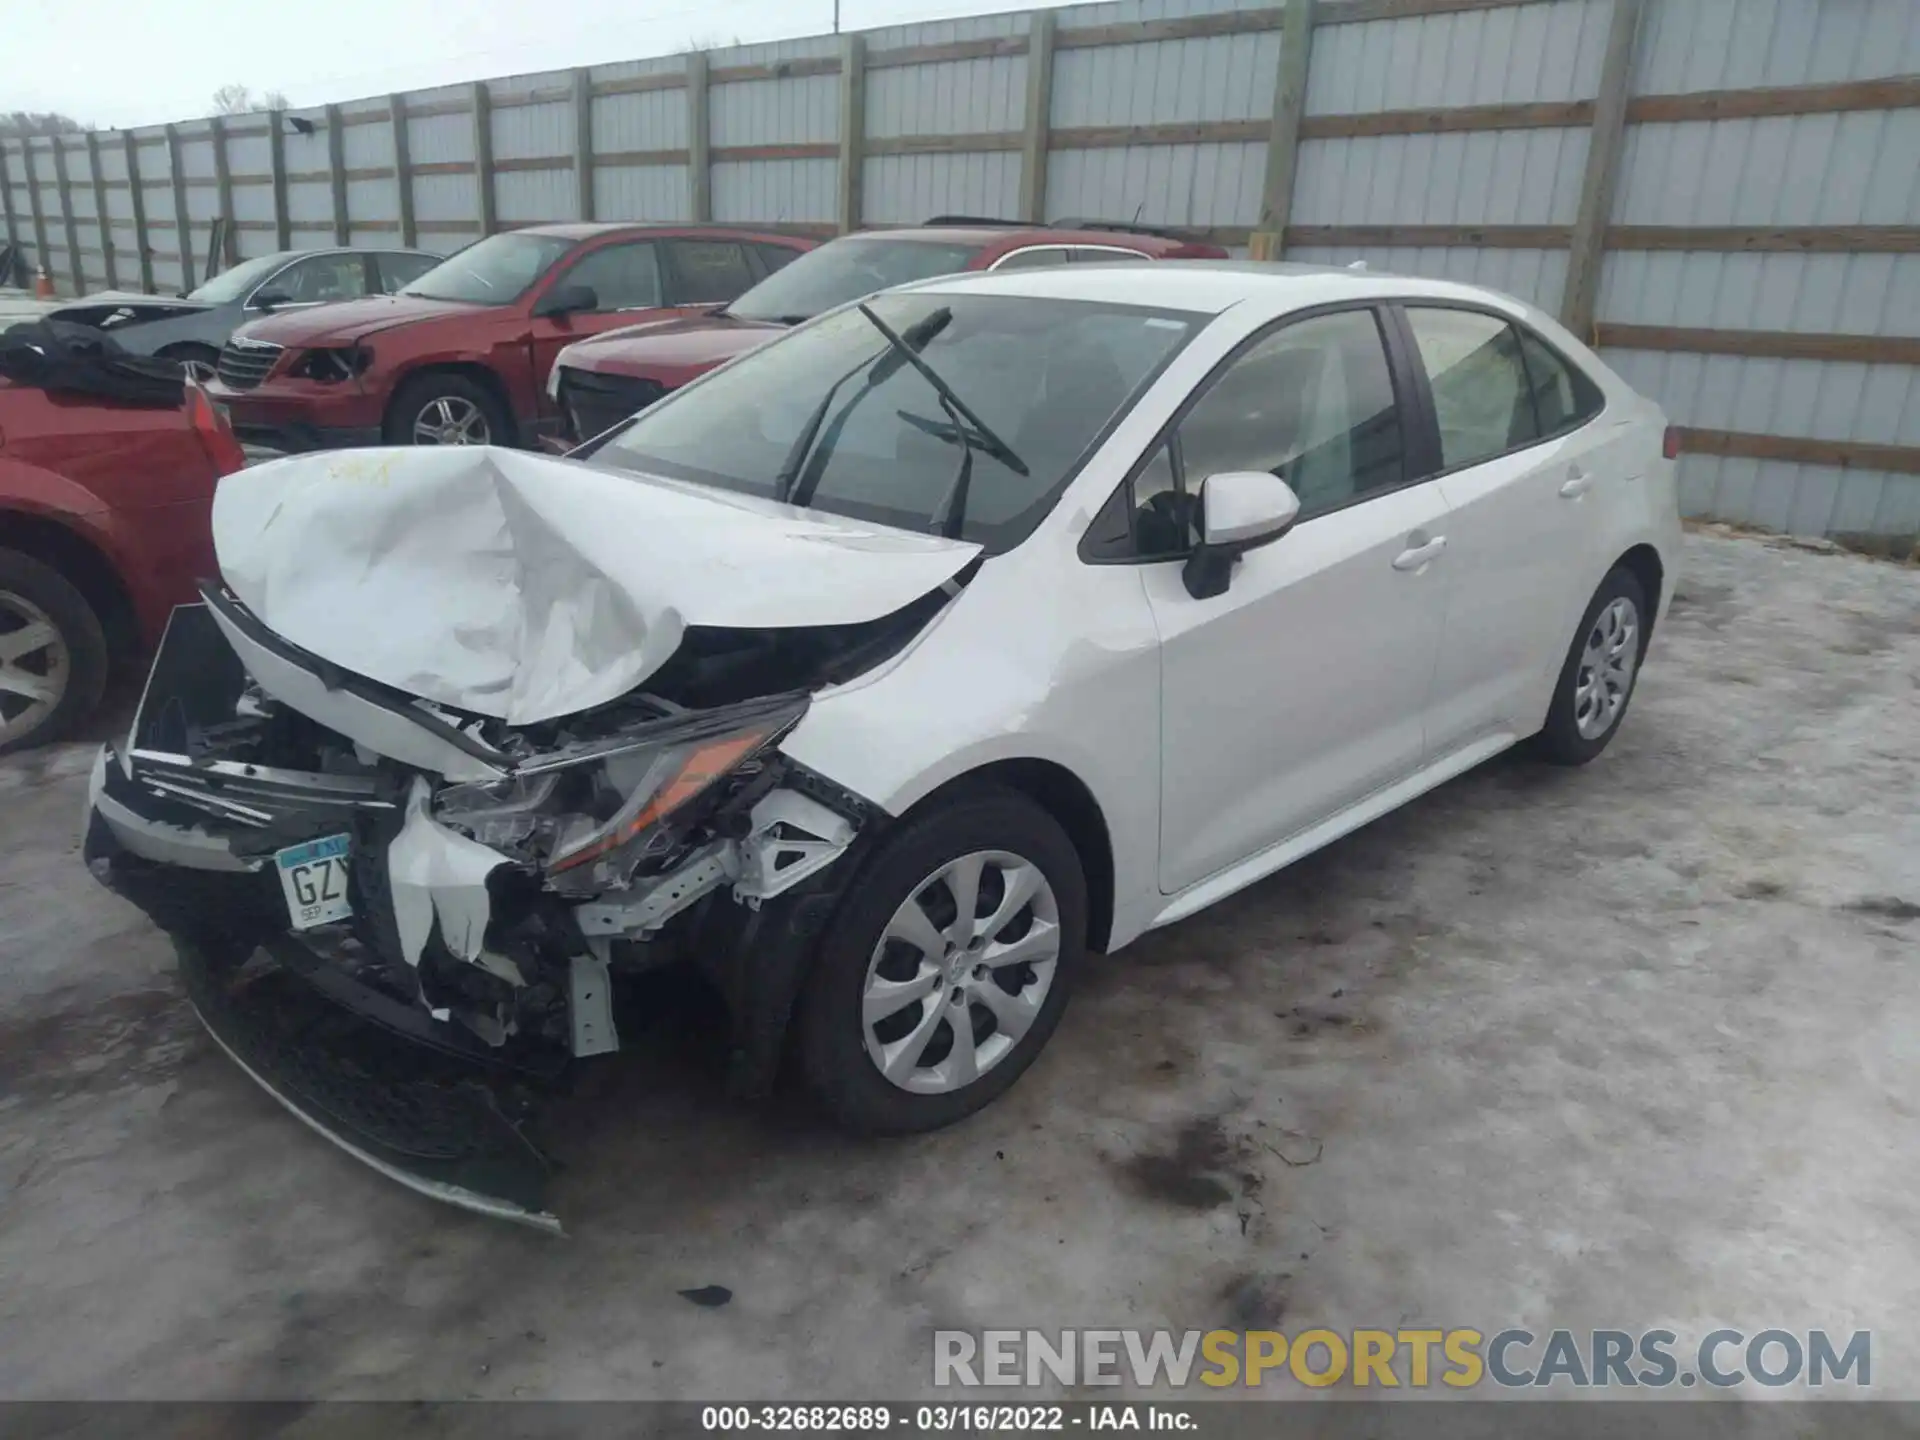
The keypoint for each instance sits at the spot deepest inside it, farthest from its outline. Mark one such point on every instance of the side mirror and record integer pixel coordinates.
(1240, 510)
(269, 299)
(566, 300)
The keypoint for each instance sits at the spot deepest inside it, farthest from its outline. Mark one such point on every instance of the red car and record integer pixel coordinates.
(460, 356)
(104, 508)
(598, 382)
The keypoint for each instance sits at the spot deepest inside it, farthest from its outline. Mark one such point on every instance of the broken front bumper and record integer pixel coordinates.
(419, 1024)
(414, 1098)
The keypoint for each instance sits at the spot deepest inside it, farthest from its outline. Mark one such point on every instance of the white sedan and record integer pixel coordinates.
(890, 669)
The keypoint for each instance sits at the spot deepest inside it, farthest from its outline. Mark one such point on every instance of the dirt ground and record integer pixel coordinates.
(1632, 1046)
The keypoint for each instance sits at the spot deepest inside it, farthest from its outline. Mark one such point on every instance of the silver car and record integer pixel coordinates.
(191, 328)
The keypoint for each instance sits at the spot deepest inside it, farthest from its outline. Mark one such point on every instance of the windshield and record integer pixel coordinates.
(493, 271)
(230, 285)
(844, 270)
(833, 417)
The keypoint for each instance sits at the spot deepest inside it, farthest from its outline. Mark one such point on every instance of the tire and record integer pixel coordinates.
(72, 665)
(837, 1047)
(1573, 734)
(465, 400)
(194, 357)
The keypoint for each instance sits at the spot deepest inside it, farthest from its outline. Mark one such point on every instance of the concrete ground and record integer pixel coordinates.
(1632, 1046)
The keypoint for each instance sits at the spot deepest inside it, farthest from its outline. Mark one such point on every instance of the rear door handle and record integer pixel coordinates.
(1416, 556)
(1577, 483)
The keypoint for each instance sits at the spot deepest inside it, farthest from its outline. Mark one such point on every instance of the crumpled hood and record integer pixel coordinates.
(528, 587)
(134, 297)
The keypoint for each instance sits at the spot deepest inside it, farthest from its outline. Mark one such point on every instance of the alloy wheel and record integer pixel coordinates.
(451, 420)
(960, 972)
(35, 666)
(1604, 678)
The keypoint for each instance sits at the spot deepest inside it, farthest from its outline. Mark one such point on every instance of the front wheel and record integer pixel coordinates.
(53, 653)
(1596, 682)
(447, 409)
(947, 968)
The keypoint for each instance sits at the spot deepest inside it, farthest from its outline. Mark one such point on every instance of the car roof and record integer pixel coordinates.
(593, 229)
(1211, 287)
(1018, 237)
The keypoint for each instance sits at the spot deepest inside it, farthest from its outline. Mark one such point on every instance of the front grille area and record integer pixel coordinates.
(596, 402)
(245, 363)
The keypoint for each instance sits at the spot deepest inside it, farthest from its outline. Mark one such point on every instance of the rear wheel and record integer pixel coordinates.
(53, 653)
(447, 409)
(1596, 682)
(948, 967)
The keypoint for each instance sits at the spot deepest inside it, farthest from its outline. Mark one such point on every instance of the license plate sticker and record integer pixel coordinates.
(314, 879)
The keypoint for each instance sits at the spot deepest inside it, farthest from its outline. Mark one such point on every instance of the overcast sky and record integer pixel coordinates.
(138, 62)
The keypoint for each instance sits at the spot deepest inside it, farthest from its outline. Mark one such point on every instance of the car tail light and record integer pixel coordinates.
(216, 436)
(1670, 446)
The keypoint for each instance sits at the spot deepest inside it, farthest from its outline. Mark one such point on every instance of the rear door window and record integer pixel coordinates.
(706, 271)
(1563, 396)
(1482, 400)
(1034, 258)
(622, 277)
(398, 269)
(775, 257)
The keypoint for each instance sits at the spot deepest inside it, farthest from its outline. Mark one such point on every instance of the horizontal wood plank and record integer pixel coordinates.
(641, 84)
(1540, 115)
(823, 150)
(1899, 92)
(533, 162)
(777, 70)
(1198, 132)
(1797, 239)
(943, 144)
(1352, 12)
(1417, 237)
(1846, 454)
(986, 49)
(1148, 32)
(612, 158)
(1763, 344)
(443, 167)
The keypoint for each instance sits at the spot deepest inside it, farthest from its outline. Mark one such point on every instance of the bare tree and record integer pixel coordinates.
(239, 100)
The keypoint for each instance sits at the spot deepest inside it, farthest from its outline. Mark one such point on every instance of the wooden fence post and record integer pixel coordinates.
(853, 130)
(1269, 238)
(139, 205)
(481, 100)
(74, 267)
(583, 142)
(1037, 134)
(1588, 245)
(101, 217)
(699, 176)
(337, 174)
(223, 188)
(402, 169)
(6, 201)
(182, 226)
(33, 202)
(277, 163)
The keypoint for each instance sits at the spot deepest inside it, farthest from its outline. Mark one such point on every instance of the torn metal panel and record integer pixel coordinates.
(526, 587)
(440, 875)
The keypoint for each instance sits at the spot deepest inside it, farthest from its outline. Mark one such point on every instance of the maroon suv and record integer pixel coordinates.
(460, 356)
(598, 382)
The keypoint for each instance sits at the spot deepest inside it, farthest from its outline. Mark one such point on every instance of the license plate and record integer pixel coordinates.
(314, 879)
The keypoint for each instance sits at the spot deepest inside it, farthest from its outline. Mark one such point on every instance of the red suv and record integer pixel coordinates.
(600, 381)
(104, 506)
(460, 357)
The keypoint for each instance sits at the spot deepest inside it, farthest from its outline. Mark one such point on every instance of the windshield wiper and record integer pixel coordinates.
(883, 368)
(949, 516)
(950, 401)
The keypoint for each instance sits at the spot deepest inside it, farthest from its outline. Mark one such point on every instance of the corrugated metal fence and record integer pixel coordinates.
(1723, 193)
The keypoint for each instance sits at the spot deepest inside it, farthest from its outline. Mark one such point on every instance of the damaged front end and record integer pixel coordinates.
(473, 887)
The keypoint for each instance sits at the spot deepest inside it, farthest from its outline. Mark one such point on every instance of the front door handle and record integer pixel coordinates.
(1578, 482)
(1415, 556)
